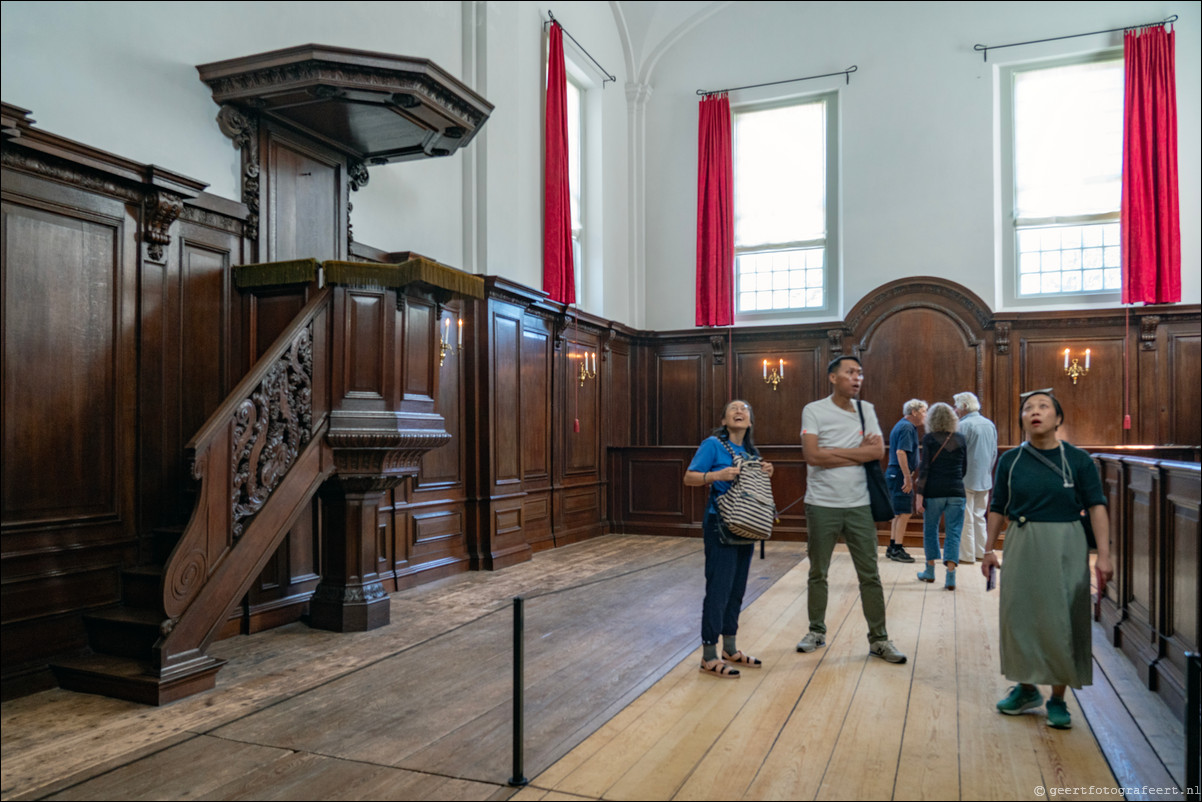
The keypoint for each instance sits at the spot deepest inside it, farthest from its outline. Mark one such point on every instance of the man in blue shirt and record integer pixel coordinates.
(903, 462)
(981, 435)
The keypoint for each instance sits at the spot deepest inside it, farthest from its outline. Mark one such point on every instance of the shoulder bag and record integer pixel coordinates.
(878, 491)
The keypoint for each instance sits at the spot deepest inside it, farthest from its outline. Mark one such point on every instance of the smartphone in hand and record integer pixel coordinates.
(991, 581)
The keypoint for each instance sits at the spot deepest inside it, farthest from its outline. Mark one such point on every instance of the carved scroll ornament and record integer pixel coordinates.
(271, 428)
(244, 131)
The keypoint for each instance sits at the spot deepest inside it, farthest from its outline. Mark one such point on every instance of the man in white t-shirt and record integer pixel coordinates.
(836, 447)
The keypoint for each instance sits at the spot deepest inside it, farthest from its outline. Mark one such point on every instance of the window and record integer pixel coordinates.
(576, 177)
(784, 191)
(1066, 156)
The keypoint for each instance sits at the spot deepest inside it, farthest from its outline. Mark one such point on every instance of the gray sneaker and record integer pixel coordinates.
(885, 650)
(811, 641)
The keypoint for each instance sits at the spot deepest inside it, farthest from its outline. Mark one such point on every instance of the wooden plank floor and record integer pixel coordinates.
(838, 724)
(615, 706)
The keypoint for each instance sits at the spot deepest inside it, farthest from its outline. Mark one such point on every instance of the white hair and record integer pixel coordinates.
(912, 406)
(967, 402)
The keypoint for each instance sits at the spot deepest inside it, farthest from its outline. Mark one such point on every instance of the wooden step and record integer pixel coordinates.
(142, 586)
(135, 680)
(124, 631)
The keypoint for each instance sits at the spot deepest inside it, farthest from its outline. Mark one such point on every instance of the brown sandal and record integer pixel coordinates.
(741, 659)
(718, 668)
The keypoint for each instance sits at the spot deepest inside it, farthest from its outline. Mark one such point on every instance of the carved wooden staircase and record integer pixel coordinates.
(259, 459)
(322, 409)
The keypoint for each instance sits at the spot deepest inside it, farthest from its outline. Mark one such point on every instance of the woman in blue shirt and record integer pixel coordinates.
(726, 567)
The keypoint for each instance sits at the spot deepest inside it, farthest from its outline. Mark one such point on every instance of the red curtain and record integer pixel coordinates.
(1151, 220)
(558, 274)
(715, 214)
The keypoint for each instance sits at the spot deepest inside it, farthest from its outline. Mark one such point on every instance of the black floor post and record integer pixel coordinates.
(1193, 725)
(519, 626)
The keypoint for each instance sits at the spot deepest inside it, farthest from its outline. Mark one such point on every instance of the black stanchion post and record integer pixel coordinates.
(1193, 725)
(519, 626)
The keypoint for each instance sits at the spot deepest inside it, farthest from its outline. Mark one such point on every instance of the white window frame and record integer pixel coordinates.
(829, 242)
(1009, 226)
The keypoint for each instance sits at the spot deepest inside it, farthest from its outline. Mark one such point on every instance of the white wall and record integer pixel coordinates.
(121, 76)
(917, 128)
(917, 121)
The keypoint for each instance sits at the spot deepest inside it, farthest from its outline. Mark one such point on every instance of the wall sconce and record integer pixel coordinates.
(776, 375)
(444, 347)
(1075, 371)
(585, 371)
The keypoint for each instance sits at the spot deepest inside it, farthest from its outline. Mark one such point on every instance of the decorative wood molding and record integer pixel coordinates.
(1147, 332)
(888, 293)
(373, 107)
(244, 130)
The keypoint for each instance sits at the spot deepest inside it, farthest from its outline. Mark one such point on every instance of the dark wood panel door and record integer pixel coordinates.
(922, 353)
(306, 201)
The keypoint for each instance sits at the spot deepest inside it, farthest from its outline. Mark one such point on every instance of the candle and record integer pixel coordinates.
(765, 368)
(446, 332)
(594, 361)
(1066, 359)
(782, 368)
(460, 332)
(1087, 359)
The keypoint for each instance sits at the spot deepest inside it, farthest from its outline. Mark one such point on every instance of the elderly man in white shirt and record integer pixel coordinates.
(981, 435)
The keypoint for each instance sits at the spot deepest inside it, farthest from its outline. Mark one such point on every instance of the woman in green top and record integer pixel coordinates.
(1042, 490)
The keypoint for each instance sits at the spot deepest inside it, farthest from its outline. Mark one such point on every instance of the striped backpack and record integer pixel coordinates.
(748, 509)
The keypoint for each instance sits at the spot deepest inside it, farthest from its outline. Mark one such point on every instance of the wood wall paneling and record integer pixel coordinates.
(506, 401)
(1093, 407)
(681, 410)
(70, 481)
(777, 412)
(365, 368)
(1180, 376)
(1181, 623)
(1143, 524)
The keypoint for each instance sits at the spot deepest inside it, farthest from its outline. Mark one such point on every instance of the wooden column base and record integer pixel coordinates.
(349, 608)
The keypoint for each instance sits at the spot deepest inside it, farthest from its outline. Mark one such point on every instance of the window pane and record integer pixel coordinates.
(780, 175)
(1068, 139)
(791, 287)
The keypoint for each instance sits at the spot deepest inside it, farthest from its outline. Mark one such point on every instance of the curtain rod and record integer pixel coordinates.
(845, 73)
(984, 49)
(604, 71)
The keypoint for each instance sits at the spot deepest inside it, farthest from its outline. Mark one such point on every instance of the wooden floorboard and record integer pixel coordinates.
(616, 708)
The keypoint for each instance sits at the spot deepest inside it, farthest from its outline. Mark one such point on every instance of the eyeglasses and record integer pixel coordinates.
(1029, 393)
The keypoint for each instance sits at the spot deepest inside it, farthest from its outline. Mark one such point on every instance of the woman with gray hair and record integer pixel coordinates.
(939, 491)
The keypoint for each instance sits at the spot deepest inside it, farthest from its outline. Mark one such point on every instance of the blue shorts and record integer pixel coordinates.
(903, 503)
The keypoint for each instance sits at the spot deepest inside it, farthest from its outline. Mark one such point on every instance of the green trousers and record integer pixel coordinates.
(825, 524)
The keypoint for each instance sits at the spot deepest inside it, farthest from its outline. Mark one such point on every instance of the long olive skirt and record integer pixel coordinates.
(1044, 606)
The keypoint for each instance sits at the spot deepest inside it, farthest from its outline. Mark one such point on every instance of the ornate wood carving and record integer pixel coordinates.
(162, 210)
(270, 429)
(368, 460)
(834, 339)
(1001, 337)
(1147, 332)
(244, 130)
(718, 344)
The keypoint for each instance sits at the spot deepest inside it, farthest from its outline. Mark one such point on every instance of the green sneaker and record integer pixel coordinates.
(1058, 715)
(1020, 698)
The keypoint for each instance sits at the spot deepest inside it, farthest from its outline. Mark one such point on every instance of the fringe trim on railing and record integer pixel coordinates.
(265, 274)
(416, 269)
